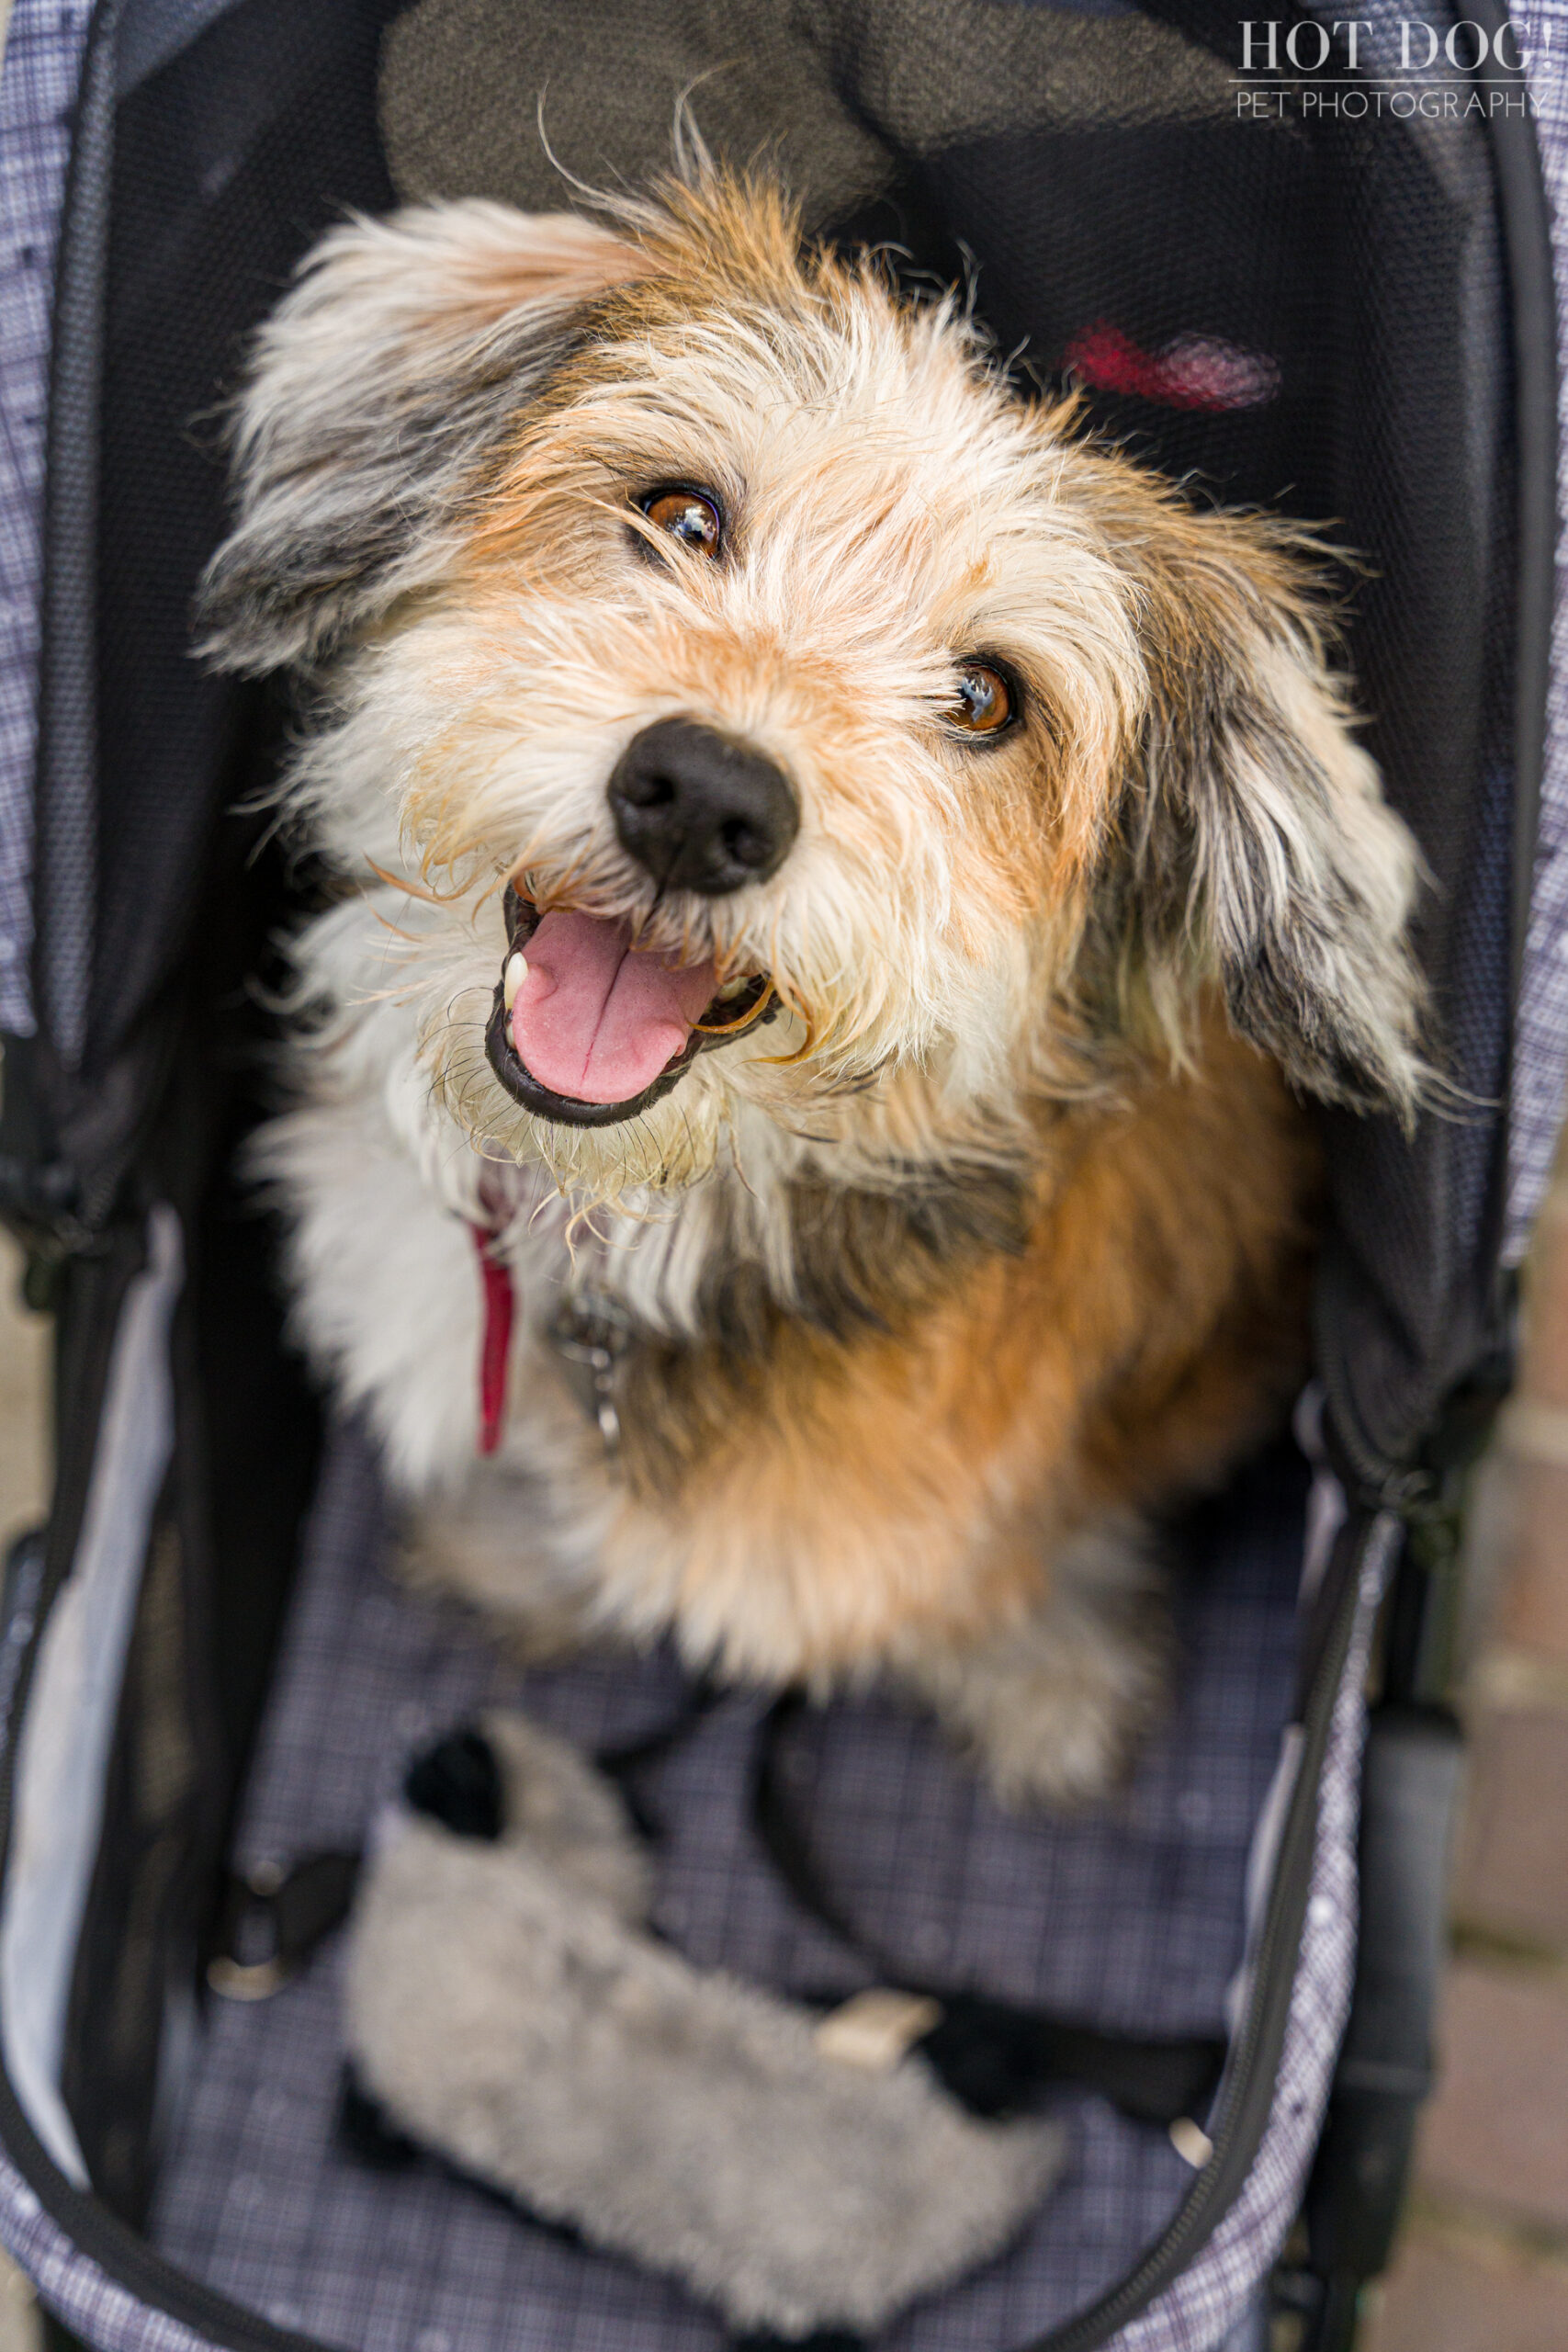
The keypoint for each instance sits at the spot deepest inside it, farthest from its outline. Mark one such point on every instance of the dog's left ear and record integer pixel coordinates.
(1262, 850)
(398, 361)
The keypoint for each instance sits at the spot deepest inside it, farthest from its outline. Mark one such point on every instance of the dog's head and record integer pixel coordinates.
(783, 712)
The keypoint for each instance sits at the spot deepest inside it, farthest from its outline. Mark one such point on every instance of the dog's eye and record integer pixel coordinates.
(688, 516)
(984, 702)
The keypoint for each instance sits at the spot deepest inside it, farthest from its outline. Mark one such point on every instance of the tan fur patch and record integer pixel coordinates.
(837, 1501)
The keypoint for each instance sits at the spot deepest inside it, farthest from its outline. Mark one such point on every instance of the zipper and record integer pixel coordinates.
(1257, 2047)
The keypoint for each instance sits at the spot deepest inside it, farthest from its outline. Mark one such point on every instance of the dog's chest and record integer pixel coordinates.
(605, 1312)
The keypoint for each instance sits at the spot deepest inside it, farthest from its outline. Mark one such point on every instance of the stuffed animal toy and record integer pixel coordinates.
(507, 2005)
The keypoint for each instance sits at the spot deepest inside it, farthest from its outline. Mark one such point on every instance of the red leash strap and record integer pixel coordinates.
(496, 1345)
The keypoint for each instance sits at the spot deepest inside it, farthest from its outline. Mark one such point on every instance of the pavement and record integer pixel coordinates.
(1483, 2262)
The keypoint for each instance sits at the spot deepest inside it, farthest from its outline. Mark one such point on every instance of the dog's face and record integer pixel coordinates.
(785, 713)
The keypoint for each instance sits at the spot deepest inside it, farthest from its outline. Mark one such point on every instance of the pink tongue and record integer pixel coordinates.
(595, 1021)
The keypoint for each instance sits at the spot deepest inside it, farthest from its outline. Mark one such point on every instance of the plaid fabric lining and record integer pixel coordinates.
(79, 2291)
(1130, 1917)
(38, 89)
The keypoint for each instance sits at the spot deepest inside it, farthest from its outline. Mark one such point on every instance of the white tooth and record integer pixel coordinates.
(733, 988)
(517, 972)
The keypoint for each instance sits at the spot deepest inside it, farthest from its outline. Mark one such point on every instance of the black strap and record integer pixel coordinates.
(622, 1762)
(994, 2056)
(270, 1925)
(824, 2339)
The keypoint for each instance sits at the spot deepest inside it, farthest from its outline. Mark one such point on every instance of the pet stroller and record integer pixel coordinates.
(1299, 270)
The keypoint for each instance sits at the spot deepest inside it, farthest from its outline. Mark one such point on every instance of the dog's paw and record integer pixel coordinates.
(1049, 1728)
(486, 1547)
(1054, 1710)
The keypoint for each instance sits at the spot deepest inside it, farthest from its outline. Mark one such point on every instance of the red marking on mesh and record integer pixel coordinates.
(496, 1345)
(1197, 371)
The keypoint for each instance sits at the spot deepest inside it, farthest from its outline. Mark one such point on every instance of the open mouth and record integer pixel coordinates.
(587, 1030)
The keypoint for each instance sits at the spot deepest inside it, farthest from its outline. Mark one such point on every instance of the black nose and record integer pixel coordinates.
(700, 812)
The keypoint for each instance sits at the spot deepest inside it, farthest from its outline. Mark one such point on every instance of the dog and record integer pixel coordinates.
(845, 886)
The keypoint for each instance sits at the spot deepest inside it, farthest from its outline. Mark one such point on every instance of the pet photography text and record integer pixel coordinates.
(1358, 68)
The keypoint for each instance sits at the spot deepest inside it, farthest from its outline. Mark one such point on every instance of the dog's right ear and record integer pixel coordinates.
(398, 359)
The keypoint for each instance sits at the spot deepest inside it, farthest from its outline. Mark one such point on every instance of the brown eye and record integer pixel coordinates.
(688, 516)
(984, 702)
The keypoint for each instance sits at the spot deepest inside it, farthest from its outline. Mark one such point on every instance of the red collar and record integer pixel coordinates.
(495, 1348)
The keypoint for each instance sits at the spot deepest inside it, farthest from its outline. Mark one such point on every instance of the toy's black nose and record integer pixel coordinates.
(700, 812)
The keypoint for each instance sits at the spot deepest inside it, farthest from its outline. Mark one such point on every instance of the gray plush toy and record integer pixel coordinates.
(508, 2008)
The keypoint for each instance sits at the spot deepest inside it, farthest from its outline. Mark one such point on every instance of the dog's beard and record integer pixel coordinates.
(876, 1103)
(853, 1064)
(664, 1145)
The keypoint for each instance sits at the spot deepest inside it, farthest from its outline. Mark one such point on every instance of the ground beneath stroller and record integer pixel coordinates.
(1130, 1918)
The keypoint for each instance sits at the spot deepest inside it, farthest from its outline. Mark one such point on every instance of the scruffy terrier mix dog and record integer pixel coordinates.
(844, 881)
